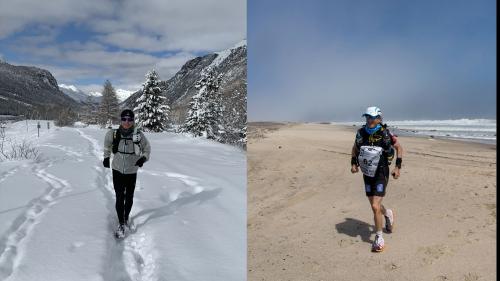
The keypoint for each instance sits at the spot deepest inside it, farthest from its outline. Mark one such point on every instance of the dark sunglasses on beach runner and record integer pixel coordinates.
(127, 119)
(368, 117)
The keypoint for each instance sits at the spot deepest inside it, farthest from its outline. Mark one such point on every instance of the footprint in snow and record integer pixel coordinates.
(75, 245)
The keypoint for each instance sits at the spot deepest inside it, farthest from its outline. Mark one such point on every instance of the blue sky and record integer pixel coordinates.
(83, 43)
(328, 60)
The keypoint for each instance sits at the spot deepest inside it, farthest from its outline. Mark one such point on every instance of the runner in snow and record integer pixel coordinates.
(130, 149)
(372, 151)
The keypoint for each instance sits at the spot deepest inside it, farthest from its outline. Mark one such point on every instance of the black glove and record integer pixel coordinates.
(141, 161)
(105, 162)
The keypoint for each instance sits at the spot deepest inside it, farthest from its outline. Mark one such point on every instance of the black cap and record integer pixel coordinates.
(127, 113)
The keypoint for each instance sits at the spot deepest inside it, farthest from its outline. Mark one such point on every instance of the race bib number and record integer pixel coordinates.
(368, 159)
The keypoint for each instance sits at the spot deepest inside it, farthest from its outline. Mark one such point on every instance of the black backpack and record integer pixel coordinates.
(116, 140)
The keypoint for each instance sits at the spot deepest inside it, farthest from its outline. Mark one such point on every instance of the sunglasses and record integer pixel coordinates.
(127, 119)
(371, 118)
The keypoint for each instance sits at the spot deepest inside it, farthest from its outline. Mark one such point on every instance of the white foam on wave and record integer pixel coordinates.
(481, 129)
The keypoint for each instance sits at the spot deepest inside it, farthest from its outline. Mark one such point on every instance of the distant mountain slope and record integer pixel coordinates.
(80, 96)
(77, 94)
(30, 90)
(231, 63)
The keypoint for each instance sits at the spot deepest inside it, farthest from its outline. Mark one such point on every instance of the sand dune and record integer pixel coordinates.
(309, 219)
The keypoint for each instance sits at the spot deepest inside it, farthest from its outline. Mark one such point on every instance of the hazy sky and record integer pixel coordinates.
(84, 42)
(329, 60)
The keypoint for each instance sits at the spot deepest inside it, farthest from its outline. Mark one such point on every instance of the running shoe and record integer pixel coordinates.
(389, 220)
(120, 232)
(378, 244)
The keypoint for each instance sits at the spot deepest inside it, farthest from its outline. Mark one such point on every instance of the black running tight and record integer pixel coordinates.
(124, 185)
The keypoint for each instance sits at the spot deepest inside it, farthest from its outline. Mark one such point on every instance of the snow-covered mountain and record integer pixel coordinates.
(231, 63)
(123, 94)
(77, 94)
(32, 91)
(81, 96)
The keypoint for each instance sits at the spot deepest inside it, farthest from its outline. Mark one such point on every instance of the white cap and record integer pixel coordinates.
(373, 111)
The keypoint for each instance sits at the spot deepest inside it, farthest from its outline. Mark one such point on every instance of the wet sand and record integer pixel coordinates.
(309, 219)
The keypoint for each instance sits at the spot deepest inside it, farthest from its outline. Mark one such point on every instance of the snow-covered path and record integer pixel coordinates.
(57, 214)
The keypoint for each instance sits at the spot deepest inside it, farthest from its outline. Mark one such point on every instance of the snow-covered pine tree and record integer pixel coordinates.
(205, 108)
(108, 108)
(234, 119)
(151, 110)
(194, 124)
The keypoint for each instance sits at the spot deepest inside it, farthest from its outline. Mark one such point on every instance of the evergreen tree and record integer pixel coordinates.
(151, 110)
(194, 123)
(67, 117)
(89, 112)
(108, 109)
(234, 119)
(205, 108)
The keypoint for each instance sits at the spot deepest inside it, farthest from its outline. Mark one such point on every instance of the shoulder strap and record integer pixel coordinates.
(136, 132)
(360, 137)
(363, 132)
(116, 140)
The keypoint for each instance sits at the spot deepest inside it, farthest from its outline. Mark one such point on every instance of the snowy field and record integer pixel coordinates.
(57, 213)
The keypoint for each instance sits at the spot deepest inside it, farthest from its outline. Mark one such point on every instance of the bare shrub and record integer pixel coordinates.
(18, 150)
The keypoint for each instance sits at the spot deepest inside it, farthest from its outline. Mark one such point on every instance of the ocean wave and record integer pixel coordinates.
(472, 129)
(447, 122)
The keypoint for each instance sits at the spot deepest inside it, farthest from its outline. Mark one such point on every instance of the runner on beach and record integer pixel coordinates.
(373, 151)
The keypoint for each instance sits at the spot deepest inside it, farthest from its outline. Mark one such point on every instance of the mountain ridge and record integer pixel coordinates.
(30, 91)
(179, 89)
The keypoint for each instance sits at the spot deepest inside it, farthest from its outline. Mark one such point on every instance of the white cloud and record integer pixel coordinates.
(87, 61)
(189, 25)
(15, 15)
(126, 37)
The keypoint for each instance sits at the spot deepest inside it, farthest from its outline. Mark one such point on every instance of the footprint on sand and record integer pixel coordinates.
(433, 253)
(471, 276)
(391, 266)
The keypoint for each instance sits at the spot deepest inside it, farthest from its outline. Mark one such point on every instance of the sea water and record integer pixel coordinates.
(480, 130)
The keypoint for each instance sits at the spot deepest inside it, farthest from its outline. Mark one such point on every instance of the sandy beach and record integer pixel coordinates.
(309, 219)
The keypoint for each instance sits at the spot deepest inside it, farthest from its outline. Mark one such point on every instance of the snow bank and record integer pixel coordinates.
(57, 213)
